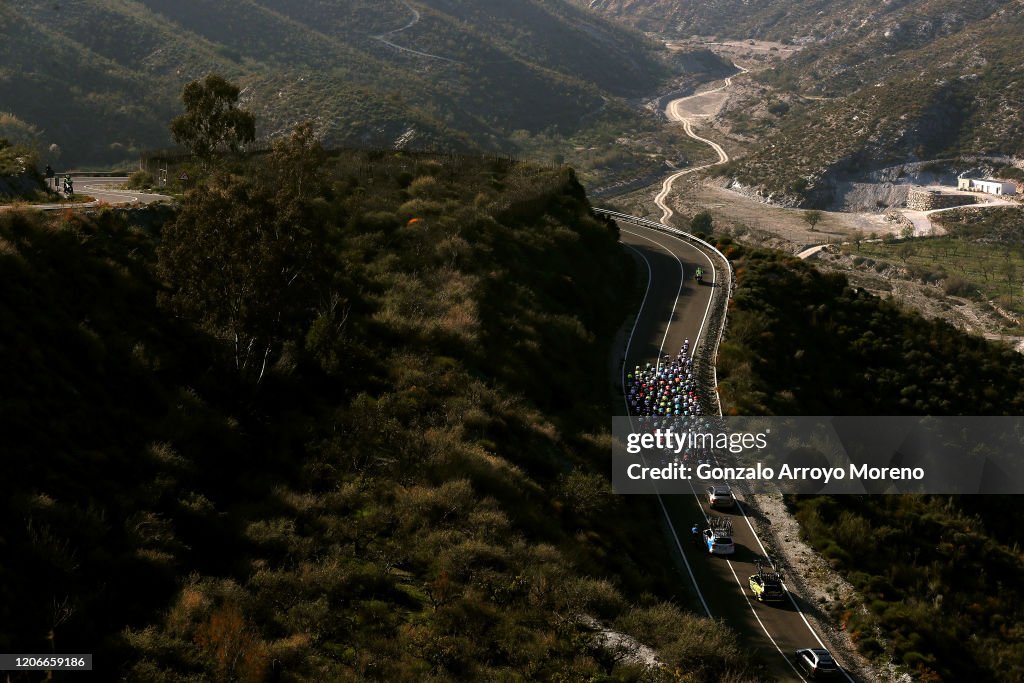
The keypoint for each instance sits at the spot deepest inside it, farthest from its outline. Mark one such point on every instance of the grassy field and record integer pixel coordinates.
(977, 270)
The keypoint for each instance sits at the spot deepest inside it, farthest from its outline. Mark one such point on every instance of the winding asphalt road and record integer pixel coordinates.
(675, 308)
(103, 190)
(386, 37)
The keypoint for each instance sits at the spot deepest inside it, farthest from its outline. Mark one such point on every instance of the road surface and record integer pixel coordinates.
(104, 190)
(683, 110)
(676, 308)
(923, 226)
(386, 37)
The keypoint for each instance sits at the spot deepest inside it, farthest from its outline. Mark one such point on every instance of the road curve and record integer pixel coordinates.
(103, 190)
(676, 308)
(386, 37)
(674, 113)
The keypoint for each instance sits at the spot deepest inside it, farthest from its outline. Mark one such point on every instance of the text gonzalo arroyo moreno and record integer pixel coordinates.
(670, 441)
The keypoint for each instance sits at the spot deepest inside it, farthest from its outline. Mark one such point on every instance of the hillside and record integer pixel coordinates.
(940, 578)
(99, 78)
(390, 491)
(802, 23)
(898, 82)
(900, 95)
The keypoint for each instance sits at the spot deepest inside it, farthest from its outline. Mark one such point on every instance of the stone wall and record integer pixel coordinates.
(920, 199)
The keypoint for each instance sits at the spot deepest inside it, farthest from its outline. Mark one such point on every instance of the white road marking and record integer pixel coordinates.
(664, 510)
(696, 496)
(131, 198)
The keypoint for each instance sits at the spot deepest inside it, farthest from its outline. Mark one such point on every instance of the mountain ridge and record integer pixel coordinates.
(903, 82)
(110, 70)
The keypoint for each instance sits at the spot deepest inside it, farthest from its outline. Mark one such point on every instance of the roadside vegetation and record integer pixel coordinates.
(332, 419)
(378, 483)
(941, 577)
(13, 160)
(19, 179)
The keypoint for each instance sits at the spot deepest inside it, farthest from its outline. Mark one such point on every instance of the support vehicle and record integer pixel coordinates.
(766, 584)
(817, 663)
(718, 536)
(720, 496)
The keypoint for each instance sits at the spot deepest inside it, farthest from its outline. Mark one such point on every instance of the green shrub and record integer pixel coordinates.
(702, 223)
(141, 180)
(955, 285)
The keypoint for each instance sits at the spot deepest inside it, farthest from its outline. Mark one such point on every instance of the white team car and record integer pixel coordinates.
(720, 496)
(817, 663)
(718, 542)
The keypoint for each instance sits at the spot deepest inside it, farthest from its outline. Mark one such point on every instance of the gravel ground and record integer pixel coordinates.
(624, 647)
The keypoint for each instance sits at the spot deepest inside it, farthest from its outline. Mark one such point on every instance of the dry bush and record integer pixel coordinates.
(237, 652)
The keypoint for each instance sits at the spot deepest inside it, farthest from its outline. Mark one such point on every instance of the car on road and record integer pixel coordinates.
(766, 584)
(817, 663)
(767, 587)
(719, 544)
(721, 496)
(718, 537)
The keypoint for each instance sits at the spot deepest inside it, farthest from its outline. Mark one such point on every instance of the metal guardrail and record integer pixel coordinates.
(91, 174)
(654, 225)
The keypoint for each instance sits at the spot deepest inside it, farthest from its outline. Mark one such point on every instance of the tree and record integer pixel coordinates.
(242, 262)
(298, 164)
(233, 647)
(212, 121)
(1009, 271)
(812, 218)
(858, 237)
(905, 252)
(799, 186)
(702, 222)
(985, 266)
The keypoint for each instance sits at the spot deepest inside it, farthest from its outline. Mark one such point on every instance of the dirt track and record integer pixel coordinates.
(688, 110)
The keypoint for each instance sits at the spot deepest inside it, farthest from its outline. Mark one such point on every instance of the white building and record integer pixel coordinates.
(987, 185)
